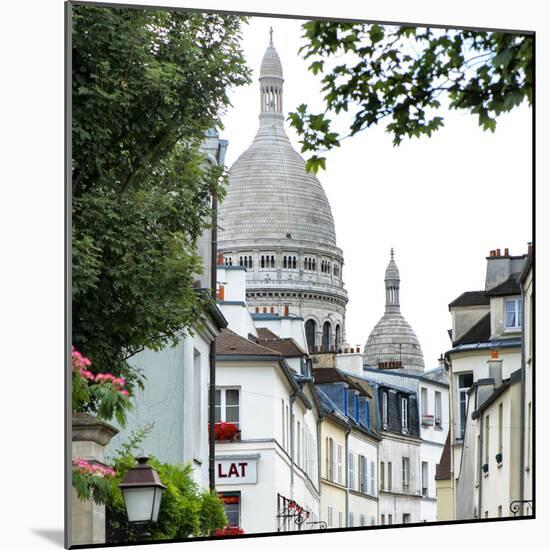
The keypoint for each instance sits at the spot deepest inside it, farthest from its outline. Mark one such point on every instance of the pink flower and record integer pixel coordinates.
(124, 392)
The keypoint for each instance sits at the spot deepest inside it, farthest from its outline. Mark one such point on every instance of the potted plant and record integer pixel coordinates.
(226, 431)
(485, 468)
(498, 458)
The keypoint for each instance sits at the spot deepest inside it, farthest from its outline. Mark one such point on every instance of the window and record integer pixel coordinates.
(406, 518)
(351, 470)
(350, 521)
(486, 435)
(478, 459)
(330, 459)
(337, 338)
(390, 519)
(529, 435)
(298, 444)
(339, 465)
(362, 520)
(424, 401)
(390, 472)
(384, 410)
(438, 411)
(227, 405)
(329, 516)
(382, 475)
(383, 519)
(197, 410)
(283, 423)
(500, 511)
(363, 474)
(512, 313)
(340, 519)
(404, 414)
(232, 506)
(465, 381)
(372, 479)
(424, 479)
(405, 474)
(500, 418)
(327, 330)
(310, 334)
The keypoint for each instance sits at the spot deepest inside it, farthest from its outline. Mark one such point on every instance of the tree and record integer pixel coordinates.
(404, 75)
(147, 85)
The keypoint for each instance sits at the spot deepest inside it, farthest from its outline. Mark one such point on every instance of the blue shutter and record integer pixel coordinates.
(345, 401)
(367, 414)
(357, 408)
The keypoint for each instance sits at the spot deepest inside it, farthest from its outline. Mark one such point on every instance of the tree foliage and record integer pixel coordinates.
(146, 86)
(185, 510)
(404, 75)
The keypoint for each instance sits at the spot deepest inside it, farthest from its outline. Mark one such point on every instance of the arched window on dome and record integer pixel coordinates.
(337, 342)
(262, 261)
(284, 262)
(250, 262)
(272, 261)
(305, 263)
(293, 262)
(314, 266)
(327, 330)
(241, 263)
(311, 328)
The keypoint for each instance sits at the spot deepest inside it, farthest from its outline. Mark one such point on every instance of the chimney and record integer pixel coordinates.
(220, 258)
(506, 252)
(265, 309)
(491, 253)
(358, 349)
(495, 368)
(286, 310)
(271, 309)
(257, 309)
(498, 251)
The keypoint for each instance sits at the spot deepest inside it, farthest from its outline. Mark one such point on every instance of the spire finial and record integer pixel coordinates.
(391, 252)
(271, 37)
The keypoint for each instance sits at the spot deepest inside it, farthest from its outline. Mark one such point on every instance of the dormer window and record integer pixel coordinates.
(513, 309)
(385, 410)
(404, 414)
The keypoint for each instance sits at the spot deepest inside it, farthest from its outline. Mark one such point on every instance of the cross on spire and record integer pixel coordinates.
(271, 36)
(391, 252)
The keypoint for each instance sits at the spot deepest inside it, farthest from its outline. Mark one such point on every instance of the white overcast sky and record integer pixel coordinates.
(441, 202)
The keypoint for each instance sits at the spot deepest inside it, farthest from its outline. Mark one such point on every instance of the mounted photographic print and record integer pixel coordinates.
(302, 275)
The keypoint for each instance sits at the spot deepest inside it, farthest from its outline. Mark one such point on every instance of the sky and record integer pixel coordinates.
(442, 202)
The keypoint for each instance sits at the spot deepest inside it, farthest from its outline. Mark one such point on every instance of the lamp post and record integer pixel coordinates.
(142, 492)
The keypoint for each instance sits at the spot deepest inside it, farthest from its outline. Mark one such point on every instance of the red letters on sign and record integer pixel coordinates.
(233, 470)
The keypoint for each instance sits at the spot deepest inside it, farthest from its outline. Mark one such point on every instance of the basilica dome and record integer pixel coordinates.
(392, 343)
(276, 223)
(271, 196)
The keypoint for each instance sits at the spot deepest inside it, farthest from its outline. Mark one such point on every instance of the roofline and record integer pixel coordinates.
(395, 372)
(483, 346)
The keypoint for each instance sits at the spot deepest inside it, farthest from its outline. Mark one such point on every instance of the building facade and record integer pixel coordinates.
(485, 374)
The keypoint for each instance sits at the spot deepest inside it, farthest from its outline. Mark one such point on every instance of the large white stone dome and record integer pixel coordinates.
(276, 222)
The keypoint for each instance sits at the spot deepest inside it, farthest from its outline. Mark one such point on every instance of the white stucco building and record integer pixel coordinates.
(485, 371)
(269, 475)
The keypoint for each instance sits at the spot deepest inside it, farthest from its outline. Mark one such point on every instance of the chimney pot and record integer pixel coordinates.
(506, 252)
(498, 251)
(271, 310)
(494, 354)
(358, 349)
(286, 310)
(220, 258)
(491, 253)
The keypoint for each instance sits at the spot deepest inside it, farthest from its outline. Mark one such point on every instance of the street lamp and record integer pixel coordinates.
(142, 492)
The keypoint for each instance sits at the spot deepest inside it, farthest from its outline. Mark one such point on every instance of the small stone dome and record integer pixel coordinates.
(392, 343)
